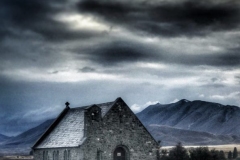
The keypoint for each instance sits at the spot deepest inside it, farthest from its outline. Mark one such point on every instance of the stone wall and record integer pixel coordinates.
(75, 153)
(119, 126)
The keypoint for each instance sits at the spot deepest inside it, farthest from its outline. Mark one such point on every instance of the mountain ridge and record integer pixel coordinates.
(3, 138)
(194, 115)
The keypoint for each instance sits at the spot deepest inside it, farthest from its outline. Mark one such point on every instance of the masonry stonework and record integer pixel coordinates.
(119, 127)
(75, 153)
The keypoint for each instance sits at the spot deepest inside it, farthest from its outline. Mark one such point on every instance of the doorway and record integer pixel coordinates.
(120, 154)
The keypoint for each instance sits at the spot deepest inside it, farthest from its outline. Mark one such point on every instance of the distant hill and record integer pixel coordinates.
(194, 116)
(21, 144)
(3, 138)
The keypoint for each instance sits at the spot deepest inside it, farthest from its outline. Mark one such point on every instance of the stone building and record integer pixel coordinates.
(107, 131)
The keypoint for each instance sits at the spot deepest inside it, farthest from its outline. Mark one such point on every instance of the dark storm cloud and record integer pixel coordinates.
(165, 18)
(36, 16)
(87, 69)
(214, 79)
(117, 52)
(221, 59)
(213, 85)
(120, 52)
(237, 79)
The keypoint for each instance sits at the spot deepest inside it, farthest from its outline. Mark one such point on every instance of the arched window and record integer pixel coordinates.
(45, 155)
(94, 113)
(55, 155)
(99, 155)
(67, 155)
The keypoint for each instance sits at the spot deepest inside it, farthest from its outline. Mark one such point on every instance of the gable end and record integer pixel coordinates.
(119, 103)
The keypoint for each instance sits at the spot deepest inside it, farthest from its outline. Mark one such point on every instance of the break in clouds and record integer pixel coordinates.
(89, 51)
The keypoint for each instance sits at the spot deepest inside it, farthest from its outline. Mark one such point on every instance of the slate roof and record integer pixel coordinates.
(68, 128)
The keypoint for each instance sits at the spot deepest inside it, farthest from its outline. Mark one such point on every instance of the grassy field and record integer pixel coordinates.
(16, 158)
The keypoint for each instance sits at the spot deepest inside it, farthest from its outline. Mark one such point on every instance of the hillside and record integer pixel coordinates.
(194, 116)
(3, 138)
(21, 144)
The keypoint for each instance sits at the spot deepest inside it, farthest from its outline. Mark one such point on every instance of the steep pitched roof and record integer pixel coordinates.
(68, 129)
(68, 133)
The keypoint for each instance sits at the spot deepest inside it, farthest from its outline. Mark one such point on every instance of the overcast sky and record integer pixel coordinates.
(91, 51)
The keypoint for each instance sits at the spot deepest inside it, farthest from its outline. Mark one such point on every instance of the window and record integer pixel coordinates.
(99, 155)
(67, 155)
(55, 155)
(120, 118)
(45, 155)
(95, 115)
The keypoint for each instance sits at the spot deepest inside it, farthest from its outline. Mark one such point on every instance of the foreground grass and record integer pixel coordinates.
(16, 158)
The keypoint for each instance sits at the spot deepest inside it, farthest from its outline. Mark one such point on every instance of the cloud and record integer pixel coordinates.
(117, 52)
(166, 18)
(220, 59)
(87, 69)
(38, 17)
(230, 95)
(120, 52)
(138, 108)
(237, 79)
(174, 101)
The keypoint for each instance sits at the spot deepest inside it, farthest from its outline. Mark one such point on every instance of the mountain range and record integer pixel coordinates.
(190, 122)
(200, 122)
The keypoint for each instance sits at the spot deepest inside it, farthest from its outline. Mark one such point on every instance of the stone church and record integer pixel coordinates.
(107, 131)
